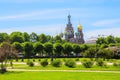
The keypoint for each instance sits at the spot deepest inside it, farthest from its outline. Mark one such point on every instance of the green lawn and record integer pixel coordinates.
(59, 76)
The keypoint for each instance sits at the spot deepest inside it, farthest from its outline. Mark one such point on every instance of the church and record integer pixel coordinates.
(71, 36)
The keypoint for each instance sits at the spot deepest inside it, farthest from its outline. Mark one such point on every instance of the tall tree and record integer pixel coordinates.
(26, 37)
(58, 49)
(57, 38)
(6, 50)
(16, 37)
(67, 48)
(38, 48)
(18, 46)
(101, 40)
(49, 49)
(110, 39)
(28, 48)
(33, 37)
(76, 49)
(42, 38)
(91, 52)
(4, 37)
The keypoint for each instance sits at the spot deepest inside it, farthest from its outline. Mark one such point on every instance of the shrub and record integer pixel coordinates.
(3, 70)
(100, 63)
(77, 59)
(70, 63)
(57, 63)
(44, 63)
(116, 64)
(31, 64)
(87, 64)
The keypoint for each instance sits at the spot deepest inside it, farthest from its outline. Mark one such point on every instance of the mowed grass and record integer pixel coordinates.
(59, 76)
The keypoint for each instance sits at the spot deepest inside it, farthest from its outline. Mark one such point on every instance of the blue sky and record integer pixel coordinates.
(98, 17)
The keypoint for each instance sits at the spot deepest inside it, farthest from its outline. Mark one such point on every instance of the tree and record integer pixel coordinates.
(76, 49)
(16, 37)
(18, 46)
(91, 52)
(38, 47)
(101, 40)
(28, 48)
(57, 38)
(83, 47)
(33, 37)
(6, 51)
(43, 38)
(117, 39)
(49, 49)
(105, 53)
(67, 48)
(110, 39)
(26, 37)
(58, 49)
(4, 37)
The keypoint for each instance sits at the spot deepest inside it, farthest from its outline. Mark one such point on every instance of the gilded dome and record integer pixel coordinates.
(79, 27)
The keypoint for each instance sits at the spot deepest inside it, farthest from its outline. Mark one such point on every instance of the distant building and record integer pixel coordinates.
(72, 37)
(91, 40)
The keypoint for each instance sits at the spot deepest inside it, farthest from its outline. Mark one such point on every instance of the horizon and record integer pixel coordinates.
(50, 16)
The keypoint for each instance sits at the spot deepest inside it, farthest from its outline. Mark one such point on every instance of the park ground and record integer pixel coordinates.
(21, 71)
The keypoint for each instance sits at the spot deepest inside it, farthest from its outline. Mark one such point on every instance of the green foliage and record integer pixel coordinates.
(57, 63)
(44, 63)
(28, 48)
(76, 49)
(90, 52)
(77, 59)
(57, 38)
(30, 63)
(83, 47)
(100, 62)
(116, 64)
(16, 37)
(70, 63)
(87, 64)
(103, 46)
(67, 48)
(43, 38)
(33, 37)
(18, 46)
(26, 37)
(48, 48)
(101, 40)
(4, 37)
(105, 53)
(38, 47)
(58, 49)
(110, 39)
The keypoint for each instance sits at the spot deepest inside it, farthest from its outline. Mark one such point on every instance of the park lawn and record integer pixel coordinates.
(63, 67)
(59, 76)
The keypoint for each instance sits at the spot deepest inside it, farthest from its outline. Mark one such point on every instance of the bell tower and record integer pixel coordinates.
(69, 31)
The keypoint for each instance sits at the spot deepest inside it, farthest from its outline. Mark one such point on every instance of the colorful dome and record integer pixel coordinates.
(79, 27)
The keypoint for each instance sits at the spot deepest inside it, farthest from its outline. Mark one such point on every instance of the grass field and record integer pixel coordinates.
(59, 76)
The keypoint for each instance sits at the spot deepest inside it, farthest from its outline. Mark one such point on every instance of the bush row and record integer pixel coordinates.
(72, 64)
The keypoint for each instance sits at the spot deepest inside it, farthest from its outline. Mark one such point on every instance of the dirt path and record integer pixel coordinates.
(26, 70)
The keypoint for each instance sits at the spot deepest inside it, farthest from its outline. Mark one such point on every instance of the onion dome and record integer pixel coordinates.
(79, 27)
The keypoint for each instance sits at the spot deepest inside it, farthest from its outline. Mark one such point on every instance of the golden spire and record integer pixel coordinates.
(79, 27)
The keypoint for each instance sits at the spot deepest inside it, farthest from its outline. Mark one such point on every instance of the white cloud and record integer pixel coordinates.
(105, 32)
(49, 14)
(41, 14)
(106, 22)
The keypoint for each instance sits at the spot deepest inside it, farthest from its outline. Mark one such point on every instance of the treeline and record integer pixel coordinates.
(25, 37)
(33, 45)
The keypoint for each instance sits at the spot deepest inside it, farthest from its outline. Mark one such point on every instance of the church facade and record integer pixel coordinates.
(71, 36)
